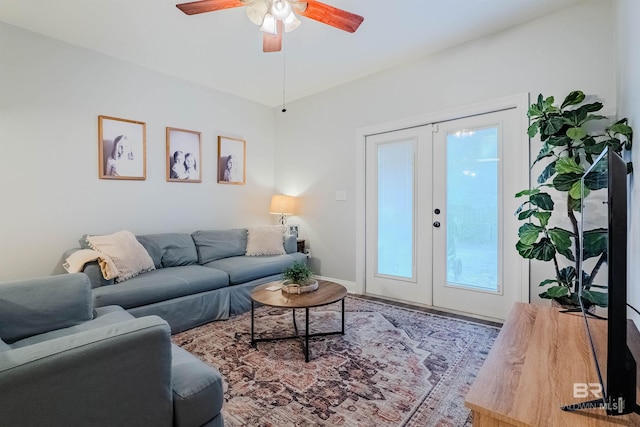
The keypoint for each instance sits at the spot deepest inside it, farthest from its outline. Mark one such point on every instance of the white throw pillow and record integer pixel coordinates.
(265, 240)
(129, 256)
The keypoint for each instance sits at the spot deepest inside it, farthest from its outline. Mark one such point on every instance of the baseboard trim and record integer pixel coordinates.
(351, 286)
(353, 289)
(434, 309)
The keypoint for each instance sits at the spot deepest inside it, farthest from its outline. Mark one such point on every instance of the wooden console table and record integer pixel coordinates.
(529, 373)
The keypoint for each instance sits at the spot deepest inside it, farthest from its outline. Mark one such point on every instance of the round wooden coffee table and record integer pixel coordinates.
(327, 293)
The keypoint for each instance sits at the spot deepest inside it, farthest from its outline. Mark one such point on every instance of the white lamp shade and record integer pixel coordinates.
(283, 205)
(291, 22)
(257, 10)
(270, 25)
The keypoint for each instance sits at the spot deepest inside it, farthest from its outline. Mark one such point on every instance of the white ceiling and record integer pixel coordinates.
(223, 49)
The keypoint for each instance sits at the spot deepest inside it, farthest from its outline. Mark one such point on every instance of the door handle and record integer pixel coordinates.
(436, 224)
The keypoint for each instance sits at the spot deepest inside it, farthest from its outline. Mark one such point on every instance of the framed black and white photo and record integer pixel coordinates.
(184, 152)
(121, 148)
(294, 229)
(232, 158)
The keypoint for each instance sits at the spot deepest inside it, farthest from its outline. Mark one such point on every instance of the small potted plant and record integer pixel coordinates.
(297, 279)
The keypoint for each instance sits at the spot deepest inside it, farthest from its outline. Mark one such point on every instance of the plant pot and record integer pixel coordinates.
(571, 307)
(294, 288)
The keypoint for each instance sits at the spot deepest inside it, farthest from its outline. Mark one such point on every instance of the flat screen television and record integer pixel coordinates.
(606, 180)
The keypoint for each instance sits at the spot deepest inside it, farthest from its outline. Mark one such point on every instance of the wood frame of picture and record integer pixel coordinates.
(122, 148)
(184, 155)
(232, 151)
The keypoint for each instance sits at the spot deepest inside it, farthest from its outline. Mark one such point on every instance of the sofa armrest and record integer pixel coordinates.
(113, 375)
(92, 270)
(34, 306)
(290, 243)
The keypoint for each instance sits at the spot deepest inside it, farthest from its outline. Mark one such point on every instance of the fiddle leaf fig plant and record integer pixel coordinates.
(569, 147)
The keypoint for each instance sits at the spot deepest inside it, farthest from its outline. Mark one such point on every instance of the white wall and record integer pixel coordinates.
(628, 88)
(570, 50)
(51, 94)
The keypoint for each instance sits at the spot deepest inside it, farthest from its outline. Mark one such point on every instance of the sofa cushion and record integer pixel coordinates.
(217, 244)
(161, 285)
(4, 346)
(170, 249)
(246, 268)
(197, 389)
(104, 317)
(128, 255)
(265, 240)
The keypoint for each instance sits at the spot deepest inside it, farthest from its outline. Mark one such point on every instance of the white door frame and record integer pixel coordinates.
(520, 102)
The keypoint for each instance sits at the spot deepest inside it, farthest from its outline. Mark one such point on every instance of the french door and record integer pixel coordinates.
(439, 209)
(398, 182)
(476, 160)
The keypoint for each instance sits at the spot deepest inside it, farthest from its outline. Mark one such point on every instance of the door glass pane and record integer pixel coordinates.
(395, 209)
(472, 208)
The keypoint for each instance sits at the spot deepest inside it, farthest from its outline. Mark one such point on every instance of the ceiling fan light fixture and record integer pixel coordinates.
(291, 22)
(271, 14)
(269, 25)
(256, 11)
(299, 6)
(280, 9)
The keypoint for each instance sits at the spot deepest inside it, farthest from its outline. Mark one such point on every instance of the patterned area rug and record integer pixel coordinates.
(393, 367)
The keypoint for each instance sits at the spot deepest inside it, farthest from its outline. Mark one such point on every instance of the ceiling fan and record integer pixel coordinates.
(277, 16)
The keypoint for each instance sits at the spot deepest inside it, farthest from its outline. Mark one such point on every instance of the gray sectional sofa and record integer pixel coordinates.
(79, 350)
(198, 277)
(66, 363)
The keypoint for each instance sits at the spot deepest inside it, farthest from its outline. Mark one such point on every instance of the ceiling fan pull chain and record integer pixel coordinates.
(284, 76)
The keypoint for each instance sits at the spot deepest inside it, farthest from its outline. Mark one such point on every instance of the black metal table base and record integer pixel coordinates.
(304, 339)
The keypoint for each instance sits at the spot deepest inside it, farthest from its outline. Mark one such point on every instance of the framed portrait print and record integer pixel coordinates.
(294, 230)
(184, 152)
(231, 160)
(121, 148)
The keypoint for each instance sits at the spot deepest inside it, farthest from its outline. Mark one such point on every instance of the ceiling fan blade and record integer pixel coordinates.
(333, 16)
(195, 7)
(272, 42)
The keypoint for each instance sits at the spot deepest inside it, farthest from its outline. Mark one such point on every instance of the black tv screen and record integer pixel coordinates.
(603, 267)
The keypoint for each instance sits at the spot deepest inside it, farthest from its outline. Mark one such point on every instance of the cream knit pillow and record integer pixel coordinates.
(129, 256)
(265, 240)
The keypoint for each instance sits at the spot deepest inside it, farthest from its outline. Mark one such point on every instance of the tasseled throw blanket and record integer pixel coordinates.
(76, 261)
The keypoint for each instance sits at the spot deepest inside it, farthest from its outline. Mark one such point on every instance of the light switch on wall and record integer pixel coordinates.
(341, 195)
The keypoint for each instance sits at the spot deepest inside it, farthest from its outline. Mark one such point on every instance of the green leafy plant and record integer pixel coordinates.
(297, 273)
(569, 146)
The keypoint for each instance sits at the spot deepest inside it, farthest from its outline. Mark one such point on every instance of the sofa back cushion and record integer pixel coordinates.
(170, 249)
(217, 244)
(34, 306)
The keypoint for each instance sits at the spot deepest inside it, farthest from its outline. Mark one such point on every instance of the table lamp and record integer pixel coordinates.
(283, 205)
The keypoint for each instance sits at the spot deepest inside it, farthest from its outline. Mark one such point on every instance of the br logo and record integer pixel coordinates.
(584, 390)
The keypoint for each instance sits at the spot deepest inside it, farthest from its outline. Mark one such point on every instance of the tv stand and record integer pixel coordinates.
(579, 310)
(580, 406)
(531, 370)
